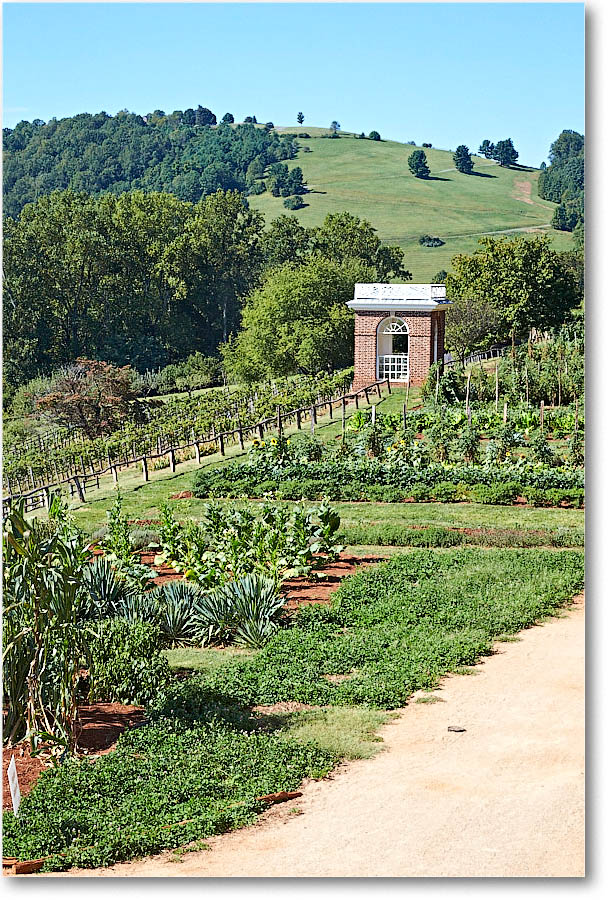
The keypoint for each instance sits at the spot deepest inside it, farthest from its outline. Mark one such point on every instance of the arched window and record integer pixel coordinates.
(393, 349)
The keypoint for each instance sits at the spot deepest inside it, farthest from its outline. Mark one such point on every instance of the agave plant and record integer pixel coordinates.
(138, 607)
(176, 604)
(244, 610)
(103, 591)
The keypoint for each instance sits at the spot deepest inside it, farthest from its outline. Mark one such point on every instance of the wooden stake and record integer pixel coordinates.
(542, 414)
(222, 448)
(404, 416)
(144, 468)
(374, 414)
(407, 393)
(343, 416)
(504, 413)
(312, 419)
(197, 452)
(466, 402)
(298, 420)
(497, 384)
(437, 386)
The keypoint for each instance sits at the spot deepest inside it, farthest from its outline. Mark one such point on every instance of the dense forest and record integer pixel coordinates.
(182, 154)
(563, 182)
(146, 279)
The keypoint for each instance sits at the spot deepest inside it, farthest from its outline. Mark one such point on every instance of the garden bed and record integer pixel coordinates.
(100, 726)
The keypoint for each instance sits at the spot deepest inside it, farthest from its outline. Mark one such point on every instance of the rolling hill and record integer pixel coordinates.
(371, 179)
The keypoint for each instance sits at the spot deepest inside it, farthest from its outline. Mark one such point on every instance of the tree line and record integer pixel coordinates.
(563, 182)
(146, 279)
(179, 153)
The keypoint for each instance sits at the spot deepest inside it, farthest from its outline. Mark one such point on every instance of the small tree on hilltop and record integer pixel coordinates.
(505, 153)
(487, 149)
(462, 159)
(228, 119)
(374, 136)
(418, 164)
(440, 277)
(91, 395)
(300, 118)
(335, 126)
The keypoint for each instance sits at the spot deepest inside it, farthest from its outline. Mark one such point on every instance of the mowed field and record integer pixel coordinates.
(371, 179)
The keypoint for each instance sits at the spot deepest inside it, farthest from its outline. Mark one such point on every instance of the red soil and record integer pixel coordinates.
(312, 589)
(100, 725)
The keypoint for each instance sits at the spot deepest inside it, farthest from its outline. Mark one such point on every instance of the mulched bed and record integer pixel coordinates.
(309, 589)
(100, 726)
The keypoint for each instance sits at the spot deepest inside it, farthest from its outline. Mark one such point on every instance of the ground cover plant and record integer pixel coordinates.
(204, 758)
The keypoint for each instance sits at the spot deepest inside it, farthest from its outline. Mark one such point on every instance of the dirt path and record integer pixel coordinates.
(503, 798)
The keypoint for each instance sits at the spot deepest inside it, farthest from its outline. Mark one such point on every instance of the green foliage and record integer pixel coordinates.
(176, 780)
(293, 202)
(297, 322)
(164, 153)
(244, 611)
(395, 629)
(46, 639)
(374, 136)
(427, 240)
(508, 287)
(505, 153)
(126, 663)
(563, 181)
(462, 159)
(487, 149)
(418, 164)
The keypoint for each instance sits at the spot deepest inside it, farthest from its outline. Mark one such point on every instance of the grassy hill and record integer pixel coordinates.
(372, 180)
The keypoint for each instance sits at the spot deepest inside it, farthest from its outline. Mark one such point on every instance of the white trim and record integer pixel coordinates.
(398, 305)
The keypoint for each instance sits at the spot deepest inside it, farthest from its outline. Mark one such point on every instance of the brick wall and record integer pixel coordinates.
(421, 343)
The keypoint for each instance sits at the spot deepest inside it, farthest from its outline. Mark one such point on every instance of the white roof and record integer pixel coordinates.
(403, 297)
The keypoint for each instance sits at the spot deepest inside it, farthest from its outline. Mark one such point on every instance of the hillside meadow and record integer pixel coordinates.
(371, 179)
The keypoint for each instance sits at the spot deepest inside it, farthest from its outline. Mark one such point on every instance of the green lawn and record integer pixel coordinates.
(372, 180)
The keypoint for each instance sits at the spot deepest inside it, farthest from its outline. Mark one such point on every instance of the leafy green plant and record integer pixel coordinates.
(176, 604)
(117, 540)
(243, 611)
(126, 664)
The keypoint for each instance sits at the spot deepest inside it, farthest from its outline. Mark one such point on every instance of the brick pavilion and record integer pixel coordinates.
(399, 331)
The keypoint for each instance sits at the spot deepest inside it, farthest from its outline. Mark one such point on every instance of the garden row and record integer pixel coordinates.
(204, 758)
(393, 482)
(172, 423)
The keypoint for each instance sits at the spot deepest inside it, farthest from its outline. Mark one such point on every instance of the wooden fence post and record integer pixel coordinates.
(366, 395)
(114, 474)
(388, 384)
(496, 401)
(197, 452)
(279, 421)
(542, 415)
(357, 400)
(79, 488)
(343, 417)
(575, 415)
(222, 448)
(144, 466)
(331, 408)
(504, 413)
(374, 414)
(312, 419)
(298, 419)
(241, 441)
(437, 386)
(407, 392)
(261, 431)
(466, 402)
(172, 459)
(379, 390)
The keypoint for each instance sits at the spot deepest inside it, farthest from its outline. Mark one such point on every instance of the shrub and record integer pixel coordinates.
(420, 492)
(500, 494)
(126, 664)
(295, 202)
(445, 492)
(428, 240)
(374, 136)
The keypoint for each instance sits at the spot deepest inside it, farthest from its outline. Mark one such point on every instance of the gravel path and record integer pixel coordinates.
(505, 797)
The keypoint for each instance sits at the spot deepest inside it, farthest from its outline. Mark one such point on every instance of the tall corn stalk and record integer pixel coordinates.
(45, 637)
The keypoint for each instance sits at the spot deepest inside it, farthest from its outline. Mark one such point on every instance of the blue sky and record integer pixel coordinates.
(448, 73)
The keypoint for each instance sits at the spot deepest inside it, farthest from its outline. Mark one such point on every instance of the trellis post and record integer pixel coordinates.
(373, 414)
(404, 416)
(504, 413)
(298, 419)
(343, 417)
(312, 419)
(144, 467)
(197, 452)
(222, 448)
(172, 459)
(496, 400)
(542, 415)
